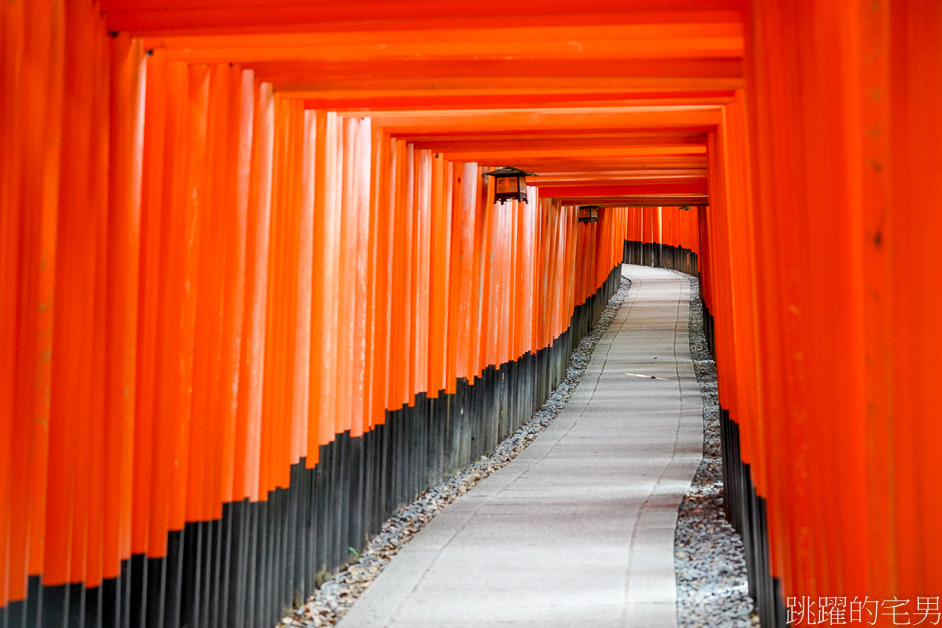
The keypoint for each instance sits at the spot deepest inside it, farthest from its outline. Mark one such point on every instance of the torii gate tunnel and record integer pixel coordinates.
(255, 293)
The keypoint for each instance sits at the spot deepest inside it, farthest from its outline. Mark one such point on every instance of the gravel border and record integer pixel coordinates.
(708, 554)
(712, 589)
(337, 594)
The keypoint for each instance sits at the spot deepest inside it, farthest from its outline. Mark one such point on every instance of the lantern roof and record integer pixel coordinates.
(510, 172)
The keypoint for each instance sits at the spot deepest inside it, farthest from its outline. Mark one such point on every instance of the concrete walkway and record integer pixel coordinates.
(579, 529)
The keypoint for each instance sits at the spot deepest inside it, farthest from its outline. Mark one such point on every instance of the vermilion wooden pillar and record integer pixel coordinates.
(911, 181)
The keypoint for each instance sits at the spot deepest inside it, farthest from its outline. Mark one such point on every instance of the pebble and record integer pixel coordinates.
(712, 589)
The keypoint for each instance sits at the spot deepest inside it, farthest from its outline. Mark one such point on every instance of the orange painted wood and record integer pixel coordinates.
(304, 350)
(589, 191)
(439, 260)
(320, 397)
(183, 241)
(29, 191)
(206, 308)
(421, 268)
(257, 287)
(123, 246)
(233, 196)
(916, 434)
(293, 16)
(362, 198)
(78, 227)
(12, 42)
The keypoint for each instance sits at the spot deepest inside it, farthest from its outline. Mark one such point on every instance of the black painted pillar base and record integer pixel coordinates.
(247, 569)
(746, 511)
(660, 256)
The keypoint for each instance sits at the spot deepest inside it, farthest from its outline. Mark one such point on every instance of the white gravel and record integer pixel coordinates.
(708, 554)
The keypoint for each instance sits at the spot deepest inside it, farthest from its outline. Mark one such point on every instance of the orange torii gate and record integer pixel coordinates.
(246, 254)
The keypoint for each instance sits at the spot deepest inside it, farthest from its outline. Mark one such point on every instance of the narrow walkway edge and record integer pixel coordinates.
(712, 585)
(579, 529)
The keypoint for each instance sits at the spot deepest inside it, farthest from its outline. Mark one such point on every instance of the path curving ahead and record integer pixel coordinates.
(578, 530)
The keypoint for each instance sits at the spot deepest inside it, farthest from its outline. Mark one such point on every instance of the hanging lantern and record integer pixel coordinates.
(510, 184)
(589, 213)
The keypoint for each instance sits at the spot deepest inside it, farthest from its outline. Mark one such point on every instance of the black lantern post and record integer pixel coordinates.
(589, 213)
(510, 184)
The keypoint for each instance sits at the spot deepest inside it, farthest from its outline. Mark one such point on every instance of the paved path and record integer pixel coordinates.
(579, 529)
